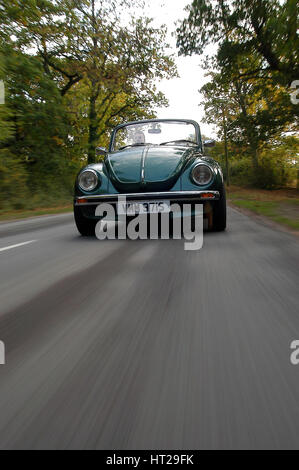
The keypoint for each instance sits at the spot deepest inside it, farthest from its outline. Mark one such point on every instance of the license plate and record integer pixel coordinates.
(144, 207)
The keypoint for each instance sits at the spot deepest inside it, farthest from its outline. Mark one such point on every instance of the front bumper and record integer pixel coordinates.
(174, 196)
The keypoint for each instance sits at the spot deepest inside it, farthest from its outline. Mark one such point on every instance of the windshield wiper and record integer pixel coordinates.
(133, 145)
(179, 140)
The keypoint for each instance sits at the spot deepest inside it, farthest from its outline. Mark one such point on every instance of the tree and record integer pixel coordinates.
(121, 60)
(248, 115)
(267, 29)
(72, 70)
(255, 63)
(216, 106)
(119, 108)
(86, 40)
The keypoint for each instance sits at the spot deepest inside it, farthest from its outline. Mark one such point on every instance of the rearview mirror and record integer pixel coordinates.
(209, 143)
(101, 151)
(154, 130)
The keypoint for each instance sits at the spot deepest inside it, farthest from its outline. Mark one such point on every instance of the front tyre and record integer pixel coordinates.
(219, 212)
(86, 227)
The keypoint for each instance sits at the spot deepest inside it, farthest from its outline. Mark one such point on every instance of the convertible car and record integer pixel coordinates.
(153, 163)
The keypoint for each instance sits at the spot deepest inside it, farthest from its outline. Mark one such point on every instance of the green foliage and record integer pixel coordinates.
(248, 95)
(278, 164)
(72, 71)
(266, 29)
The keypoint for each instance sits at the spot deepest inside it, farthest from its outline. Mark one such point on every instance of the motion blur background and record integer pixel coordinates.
(72, 70)
(123, 344)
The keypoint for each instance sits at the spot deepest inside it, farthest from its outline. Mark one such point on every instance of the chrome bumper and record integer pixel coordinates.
(199, 196)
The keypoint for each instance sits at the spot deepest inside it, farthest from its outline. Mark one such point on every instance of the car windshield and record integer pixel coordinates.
(155, 133)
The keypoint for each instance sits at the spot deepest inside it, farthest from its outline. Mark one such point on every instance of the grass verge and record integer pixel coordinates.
(281, 206)
(24, 214)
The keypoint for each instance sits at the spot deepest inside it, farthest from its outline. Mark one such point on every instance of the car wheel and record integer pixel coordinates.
(219, 213)
(86, 227)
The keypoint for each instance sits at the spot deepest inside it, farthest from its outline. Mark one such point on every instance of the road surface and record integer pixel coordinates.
(142, 345)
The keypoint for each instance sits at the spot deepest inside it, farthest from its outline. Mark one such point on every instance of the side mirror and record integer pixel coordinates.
(101, 151)
(209, 143)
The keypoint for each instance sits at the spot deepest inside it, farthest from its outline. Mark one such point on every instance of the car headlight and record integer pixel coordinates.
(88, 180)
(201, 174)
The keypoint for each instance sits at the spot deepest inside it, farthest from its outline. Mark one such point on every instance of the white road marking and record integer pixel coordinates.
(16, 246)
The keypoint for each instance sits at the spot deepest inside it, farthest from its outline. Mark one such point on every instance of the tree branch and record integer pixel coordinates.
(72, 78)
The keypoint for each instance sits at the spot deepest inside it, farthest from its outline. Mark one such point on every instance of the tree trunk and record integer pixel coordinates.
(256, 180)
(225, 146)
(93, 118)
(93, 129)
(250, 130)
(255, 159)
(226, 160)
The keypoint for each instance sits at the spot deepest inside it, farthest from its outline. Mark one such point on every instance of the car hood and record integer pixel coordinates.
(148, 168)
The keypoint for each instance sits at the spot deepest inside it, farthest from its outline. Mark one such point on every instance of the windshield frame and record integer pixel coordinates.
(146, 121)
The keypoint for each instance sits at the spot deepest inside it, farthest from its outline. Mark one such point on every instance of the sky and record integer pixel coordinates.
(182, 93)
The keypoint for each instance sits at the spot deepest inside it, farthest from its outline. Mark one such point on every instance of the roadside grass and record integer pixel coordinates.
(24, 214)
(281, 206)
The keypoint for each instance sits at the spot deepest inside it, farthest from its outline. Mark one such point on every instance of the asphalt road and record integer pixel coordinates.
(142, 345)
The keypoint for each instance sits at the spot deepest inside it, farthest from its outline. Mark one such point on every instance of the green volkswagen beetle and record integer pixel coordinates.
(152, 164)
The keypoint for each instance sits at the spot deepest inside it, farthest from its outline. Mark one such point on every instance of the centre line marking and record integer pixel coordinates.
(16, 246)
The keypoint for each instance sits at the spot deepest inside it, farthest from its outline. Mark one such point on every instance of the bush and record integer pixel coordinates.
(26, 187)
(241, 172)
(274, 171)
(13, 187)
(276, 165)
